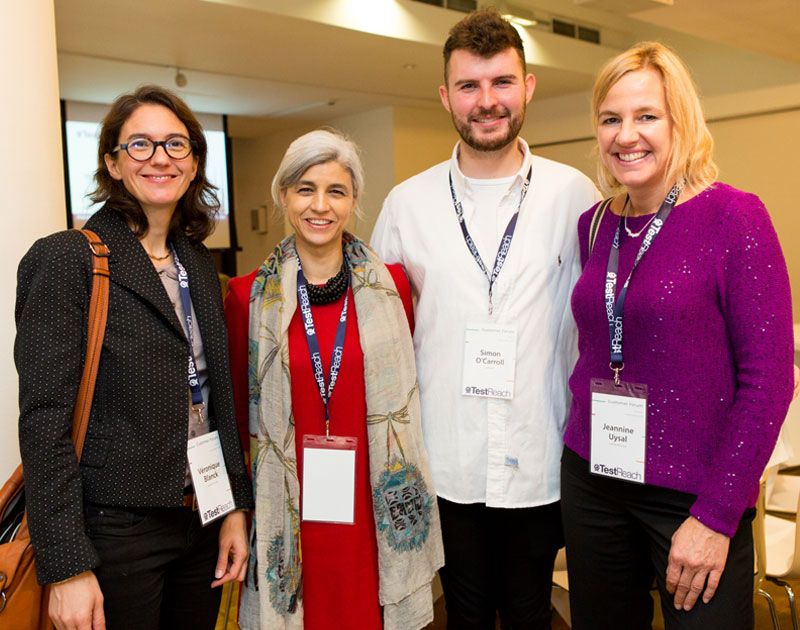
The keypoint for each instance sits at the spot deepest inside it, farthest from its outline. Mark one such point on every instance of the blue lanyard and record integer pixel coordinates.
(505, 242)
(313, 343)
(615, 306)
(186, 302)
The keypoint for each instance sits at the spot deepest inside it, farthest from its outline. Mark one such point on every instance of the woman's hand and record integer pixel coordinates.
(697, 553)
(232, 559)
(77, 603)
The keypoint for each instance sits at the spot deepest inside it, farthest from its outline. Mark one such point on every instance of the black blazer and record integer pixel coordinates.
(135, 451)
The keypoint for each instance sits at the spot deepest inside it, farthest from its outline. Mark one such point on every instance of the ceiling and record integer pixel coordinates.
(271, 64)
(771, 27)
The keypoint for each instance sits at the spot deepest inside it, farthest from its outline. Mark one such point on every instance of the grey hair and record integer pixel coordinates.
(319, 147)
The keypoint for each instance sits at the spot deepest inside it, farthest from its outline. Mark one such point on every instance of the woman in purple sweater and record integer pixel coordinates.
(685, 368)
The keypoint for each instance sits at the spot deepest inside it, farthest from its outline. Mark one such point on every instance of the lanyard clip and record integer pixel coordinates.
(616, 368)
(198, 409)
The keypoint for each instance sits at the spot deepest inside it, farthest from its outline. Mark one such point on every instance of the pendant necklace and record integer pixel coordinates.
(625, 221)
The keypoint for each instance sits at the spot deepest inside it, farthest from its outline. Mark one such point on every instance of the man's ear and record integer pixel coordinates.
(530, 86)
(444, 97)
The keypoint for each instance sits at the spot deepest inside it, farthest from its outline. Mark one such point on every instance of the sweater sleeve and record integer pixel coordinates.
(755, 301)
(237, 319)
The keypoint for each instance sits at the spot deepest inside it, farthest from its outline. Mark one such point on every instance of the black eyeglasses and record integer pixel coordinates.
(143, 149)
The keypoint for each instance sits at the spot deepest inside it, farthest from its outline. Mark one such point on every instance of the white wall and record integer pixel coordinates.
(422, 137)
(31, 175)
(759, 154)
(254, 164)
(373, 132)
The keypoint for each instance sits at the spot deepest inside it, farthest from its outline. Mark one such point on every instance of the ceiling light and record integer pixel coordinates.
(180, 78)
(519, 20)
(518, 15)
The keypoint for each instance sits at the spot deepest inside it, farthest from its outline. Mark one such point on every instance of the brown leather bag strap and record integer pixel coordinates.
(597, 218)
(98, 313)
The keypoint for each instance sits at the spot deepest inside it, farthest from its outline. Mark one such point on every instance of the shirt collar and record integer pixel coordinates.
(462, 184)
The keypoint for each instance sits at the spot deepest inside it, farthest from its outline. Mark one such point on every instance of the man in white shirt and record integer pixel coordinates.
(494, 337)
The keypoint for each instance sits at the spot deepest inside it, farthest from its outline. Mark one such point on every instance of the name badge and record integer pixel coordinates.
(329, 479)
(212, 488)
(490, 355)
(619, 423)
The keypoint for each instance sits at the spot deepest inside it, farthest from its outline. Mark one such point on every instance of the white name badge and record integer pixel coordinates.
(212, 488)
(329, 479)
(619, 429)
(490, 355)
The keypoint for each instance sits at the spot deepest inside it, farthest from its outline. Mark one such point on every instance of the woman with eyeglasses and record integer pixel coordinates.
(127, 538)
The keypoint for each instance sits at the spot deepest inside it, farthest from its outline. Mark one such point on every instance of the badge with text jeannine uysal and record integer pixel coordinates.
(619, 429)
(490, 356)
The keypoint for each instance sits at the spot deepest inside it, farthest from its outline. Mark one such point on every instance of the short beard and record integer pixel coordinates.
(514, 127)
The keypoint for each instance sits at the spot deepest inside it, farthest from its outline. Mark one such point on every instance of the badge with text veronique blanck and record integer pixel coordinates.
(212, 487)
(619, 429)
(329, 479)
(490, 356)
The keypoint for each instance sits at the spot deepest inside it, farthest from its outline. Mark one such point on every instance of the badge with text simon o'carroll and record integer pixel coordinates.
(490, 355)
(209, 477)
(619, 429)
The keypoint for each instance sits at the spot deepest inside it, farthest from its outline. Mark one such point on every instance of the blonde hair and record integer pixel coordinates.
(692, 145)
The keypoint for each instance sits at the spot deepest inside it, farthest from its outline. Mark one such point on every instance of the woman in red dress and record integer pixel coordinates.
(346, 529)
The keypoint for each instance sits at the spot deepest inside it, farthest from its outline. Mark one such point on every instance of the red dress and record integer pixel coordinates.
(340, 562)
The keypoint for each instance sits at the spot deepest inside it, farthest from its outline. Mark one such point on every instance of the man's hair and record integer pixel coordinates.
(484, 33)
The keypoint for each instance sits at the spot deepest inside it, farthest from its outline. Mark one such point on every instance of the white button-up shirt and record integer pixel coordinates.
(504, 453)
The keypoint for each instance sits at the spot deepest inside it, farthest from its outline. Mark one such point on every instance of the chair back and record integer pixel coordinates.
(759, 536)
(794, 571)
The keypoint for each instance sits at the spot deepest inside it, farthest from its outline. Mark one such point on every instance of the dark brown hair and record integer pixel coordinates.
(484, 33)
(197, 208)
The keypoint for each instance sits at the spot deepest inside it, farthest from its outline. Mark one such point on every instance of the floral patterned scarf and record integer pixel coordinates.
(406, 516)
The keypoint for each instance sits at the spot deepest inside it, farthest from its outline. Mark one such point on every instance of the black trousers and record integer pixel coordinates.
(157, 565)
(498, 560)
(618, 540)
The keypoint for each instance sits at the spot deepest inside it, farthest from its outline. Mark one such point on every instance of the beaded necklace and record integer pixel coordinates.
(332, 290)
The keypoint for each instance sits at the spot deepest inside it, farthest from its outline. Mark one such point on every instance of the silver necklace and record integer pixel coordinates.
(625, 221)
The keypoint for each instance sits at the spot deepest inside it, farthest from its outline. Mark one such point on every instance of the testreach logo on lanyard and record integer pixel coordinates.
(619, 408)
(505, 242)
(614, 307)
(186, 302)
(328, 477)
(313, 342)
(203, 453)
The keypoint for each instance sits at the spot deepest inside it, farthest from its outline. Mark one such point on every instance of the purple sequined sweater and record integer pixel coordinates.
(708, 327)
